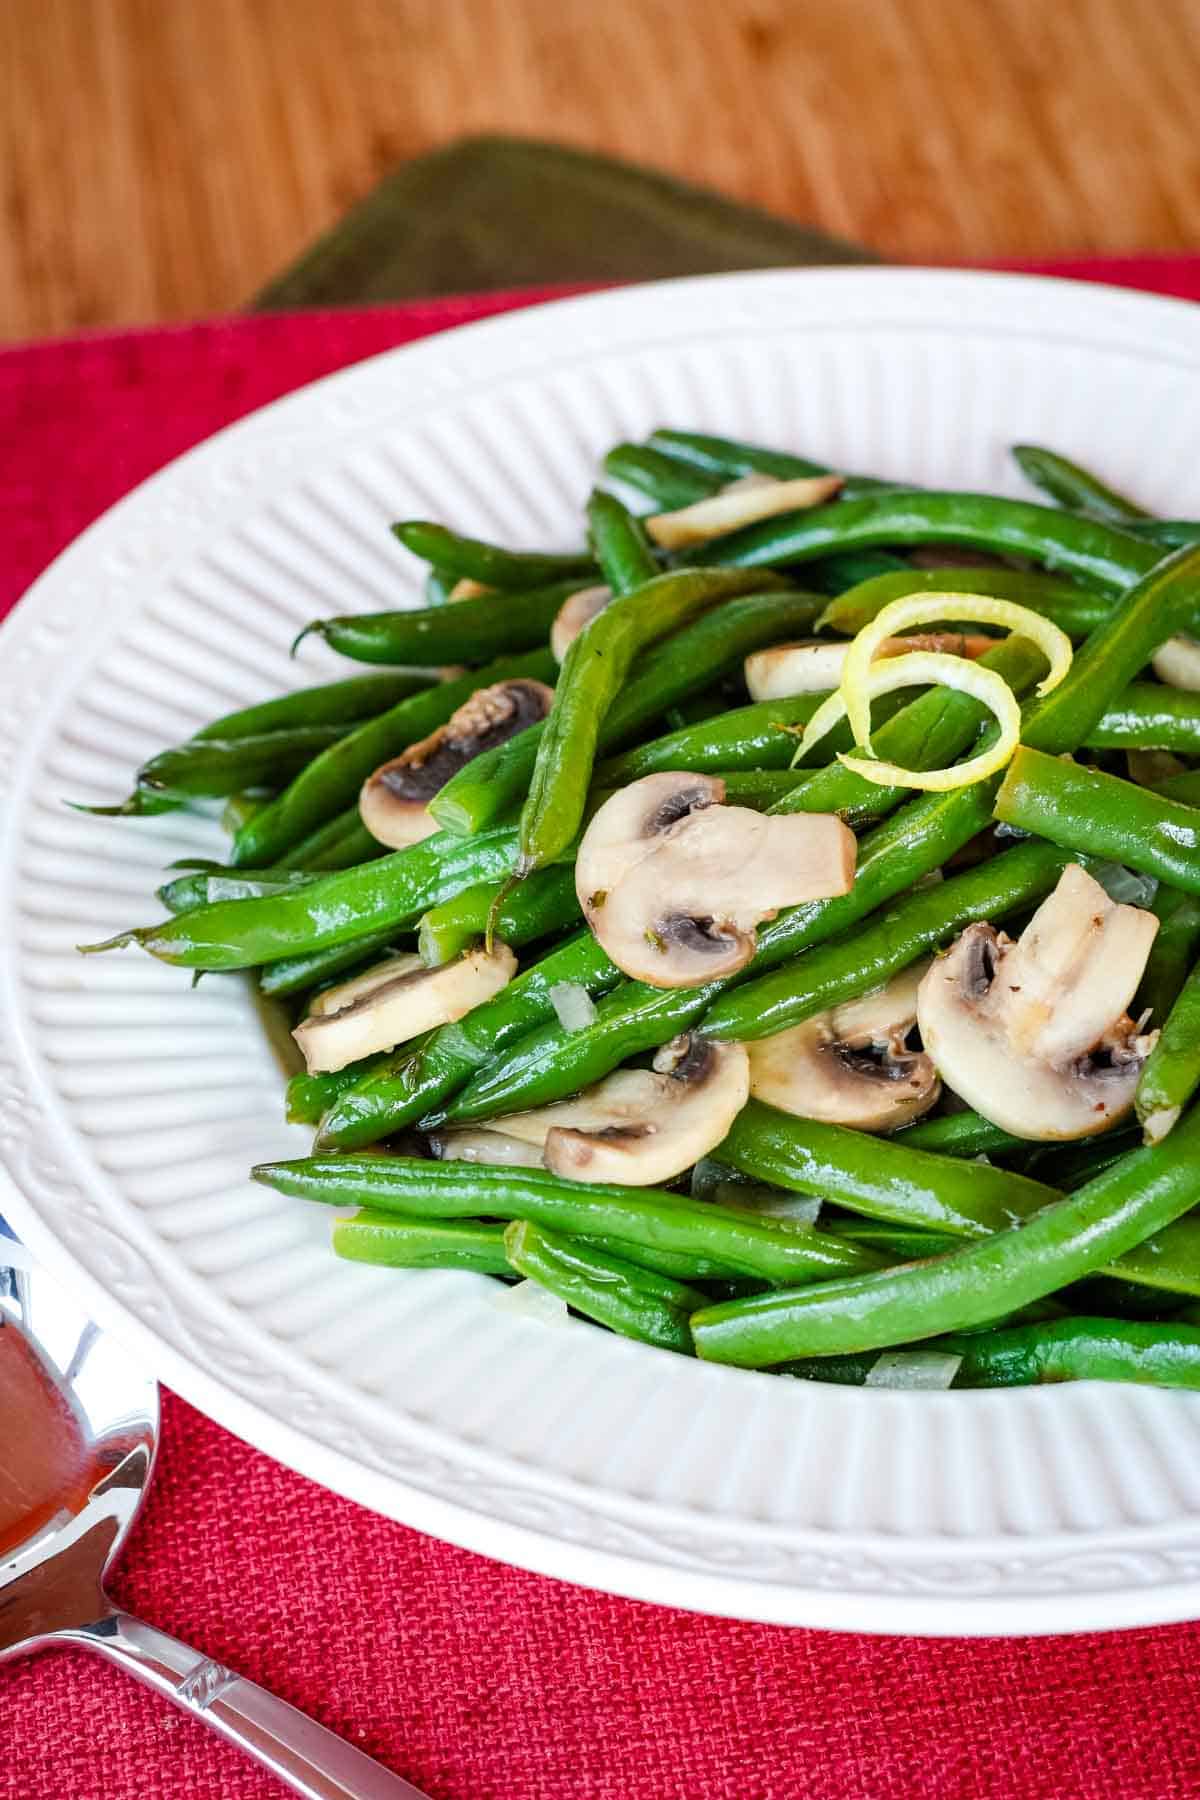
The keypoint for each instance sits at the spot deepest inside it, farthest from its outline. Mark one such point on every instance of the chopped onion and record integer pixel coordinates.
(531, 1301)
(1123, 885)
(913, 1369)
(925, 609)
(924, 668)
(573, 1004)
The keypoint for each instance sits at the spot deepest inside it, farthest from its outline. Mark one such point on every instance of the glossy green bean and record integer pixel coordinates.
(202, 887)
(211, 768)
(412, 1081)
(834, 972)
(297, 973)
(959, 1134)
(1088, 812)
(309, 1097)
(551, 1063)
(634, 1302)
(474, 631)
(1097, 554)
(733, 1240)
(345, 907)
(1184, 787)
(728, 458)
(1172, 1072)
(882, 1177)
(393, 1242)
(1073, 609)
(1174, 952)
(488, 563)
(331, 782)
(619, 544)
(545, 903)
(669, 482)
(1070, 485)
(1141, 1194)
(1174, 534)
(492, 786)
(339, 844)
(593, 673)
(745, 737)
(1147, 716)
(332, 703)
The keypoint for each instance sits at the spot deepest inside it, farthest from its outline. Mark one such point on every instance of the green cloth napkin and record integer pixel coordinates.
(496, 212)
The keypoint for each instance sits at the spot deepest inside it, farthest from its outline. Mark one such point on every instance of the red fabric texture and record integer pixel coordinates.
(476, 1681)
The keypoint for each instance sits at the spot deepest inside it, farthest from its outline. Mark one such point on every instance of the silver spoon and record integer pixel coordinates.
(80, 1429)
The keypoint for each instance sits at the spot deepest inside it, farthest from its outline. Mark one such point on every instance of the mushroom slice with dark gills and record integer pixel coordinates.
(394, 801)
(1034, 1034)
(673, 882)
(641, 1127)
(396, 1001)
(851, 1066)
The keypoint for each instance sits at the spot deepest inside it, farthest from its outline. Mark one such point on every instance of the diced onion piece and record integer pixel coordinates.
(926, 669)
(531, 1301)
(1124, 885)
(745, 506)
(1177, 663)
(923, 609)
(929, 1369)
(573, 1005)
(467, 588)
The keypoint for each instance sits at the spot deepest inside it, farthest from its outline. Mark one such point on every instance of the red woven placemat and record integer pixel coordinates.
(476, 1681)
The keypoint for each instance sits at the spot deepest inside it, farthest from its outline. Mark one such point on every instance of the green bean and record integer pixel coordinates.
(316, 968)
(309, 1097)
(1148, 716)
(1073, 609)
(959, 1134)
(733, 1240)
(211, 768)
(729, 459)
(881, 1177)
(867, 959)
(745, 737)
(332, 703)
(339, 844)
(620, 544)
(488, 563)
(668, 482)
(242, 806)
(411, 1081)
(1173, 533)
(1173, 953)
(899, 1243)
(1141, 1194)
(592, 675)
(1172, 1072)
(764, 790)
(1098, 555)
(1070, 485)
(438, 586)
(1086, 811)
(928, 733)
(632, 1301)
(474, 630)
(348, 906)
(332, 782)
(545, 903)
(398, 1243)
(201, 887)
(551, 1063)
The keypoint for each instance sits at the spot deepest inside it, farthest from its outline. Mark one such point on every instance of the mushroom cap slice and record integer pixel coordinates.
(630, 824)
(333, 999)
(382, 1008)
(576, 613)
(813, 667)
(394, 800)
(741, 503)
(471, 1144)
(641, 1127)
(1034, 1035)
(850, 1066)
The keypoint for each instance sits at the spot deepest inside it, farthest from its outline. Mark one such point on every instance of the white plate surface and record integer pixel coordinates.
(130, 1108)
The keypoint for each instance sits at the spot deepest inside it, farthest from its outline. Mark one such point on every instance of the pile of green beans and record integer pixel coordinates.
(1015, 1261)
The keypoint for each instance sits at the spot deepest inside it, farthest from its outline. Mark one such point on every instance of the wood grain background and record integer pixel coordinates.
(162, 158)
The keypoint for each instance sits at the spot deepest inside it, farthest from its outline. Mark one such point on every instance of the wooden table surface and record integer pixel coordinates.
(161, 159)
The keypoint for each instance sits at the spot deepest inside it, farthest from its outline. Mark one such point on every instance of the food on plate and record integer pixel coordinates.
(771, 927)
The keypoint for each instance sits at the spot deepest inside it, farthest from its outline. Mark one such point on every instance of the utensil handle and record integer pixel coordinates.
(312, 1761)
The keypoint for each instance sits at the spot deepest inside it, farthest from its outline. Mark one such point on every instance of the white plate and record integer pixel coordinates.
(130, 1107)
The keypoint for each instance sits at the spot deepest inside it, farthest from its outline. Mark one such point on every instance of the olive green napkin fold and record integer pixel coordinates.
(496, 212)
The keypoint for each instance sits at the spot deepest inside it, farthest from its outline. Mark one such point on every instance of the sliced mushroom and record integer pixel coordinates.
(816, 668)
(642, 1126)
(468, 1144)
(573, 615)
(673, 883)
(1035, 1034)
(851, 1066)
(383, 1008)
(742, 503)
(333, 999)
(394, 802)
(467, 588)
(1177, 663)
